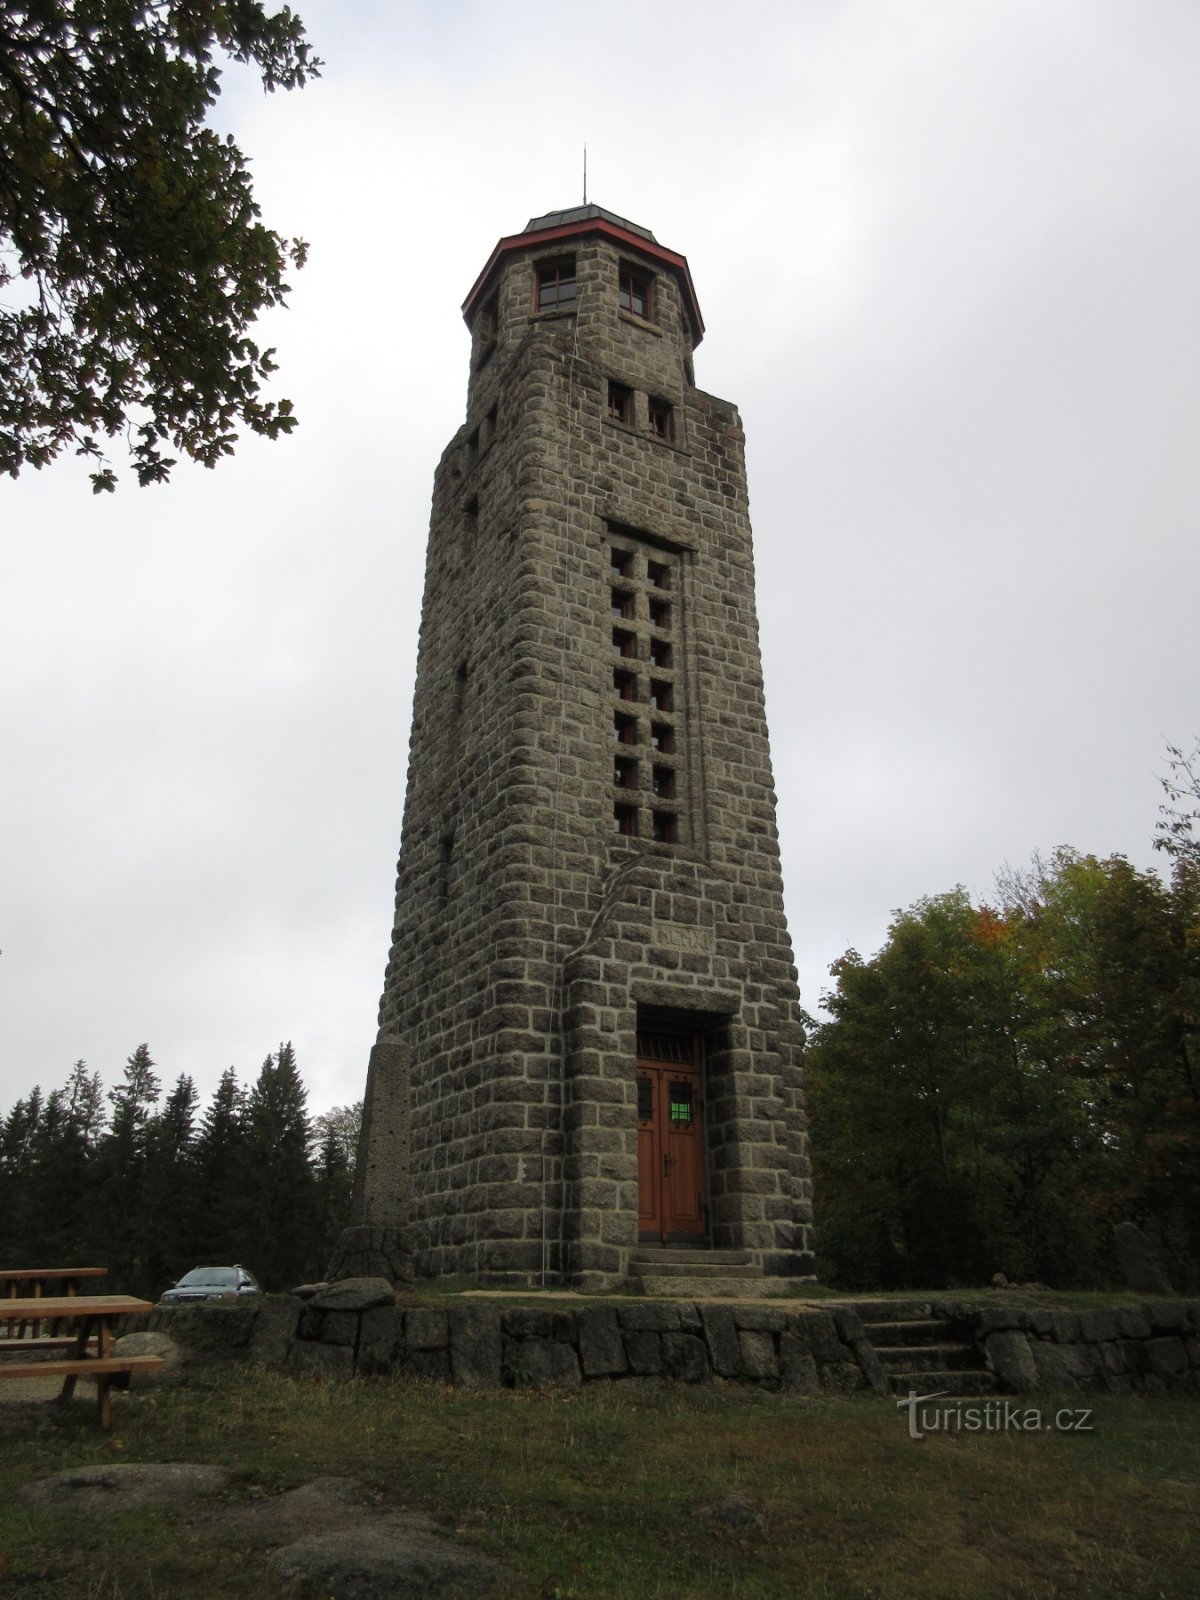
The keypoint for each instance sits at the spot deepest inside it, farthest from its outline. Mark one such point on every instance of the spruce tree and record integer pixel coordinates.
(280, 1183)
(121, 1168)
(64, 1179)
(168, 1191)
(220, 1234)
(18, 1240)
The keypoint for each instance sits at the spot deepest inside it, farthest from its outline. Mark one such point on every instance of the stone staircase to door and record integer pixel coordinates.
(921, 1352)
(680, 1273)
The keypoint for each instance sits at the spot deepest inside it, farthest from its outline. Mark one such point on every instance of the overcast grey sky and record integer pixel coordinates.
(948, 254)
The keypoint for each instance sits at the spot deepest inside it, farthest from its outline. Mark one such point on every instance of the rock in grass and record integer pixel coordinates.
(126, 1486)
(735, 1513)
(395, 1558)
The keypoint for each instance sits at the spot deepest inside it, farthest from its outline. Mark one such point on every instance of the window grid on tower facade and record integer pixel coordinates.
(647, 691)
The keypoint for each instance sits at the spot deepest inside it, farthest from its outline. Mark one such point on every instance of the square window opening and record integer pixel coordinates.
(660, 696)
(664, 783)
(555, 284)
(625, 729)
(665, 827)
(660, 653)
(662, 737)
(625, 684)
(624, 773)
(681, 1102)
(620, 403)
(621, 563)
(624, 644)
(622, 604)
(625, 820)
(660, 614)
(661, 420)
(634, 291)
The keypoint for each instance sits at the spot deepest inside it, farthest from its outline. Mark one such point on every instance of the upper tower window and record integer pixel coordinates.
(555, 283)
(659, 416)
(620, 402)
(633, 293)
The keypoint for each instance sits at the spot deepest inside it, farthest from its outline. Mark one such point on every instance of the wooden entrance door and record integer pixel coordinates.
(671, 1203)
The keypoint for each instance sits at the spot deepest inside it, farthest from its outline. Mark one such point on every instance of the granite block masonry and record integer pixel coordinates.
(589, 1037)
(362, 1329)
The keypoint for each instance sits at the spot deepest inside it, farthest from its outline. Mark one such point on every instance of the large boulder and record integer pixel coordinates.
(600, 1348)
(475, 1351)
(537, 1362)
(212, 1332)
(1011, 1359)
(275, 1329)
(354, 1294)
(172, 1356)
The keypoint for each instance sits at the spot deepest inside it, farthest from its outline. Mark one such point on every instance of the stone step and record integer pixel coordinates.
(944, 1380)
(928, 1330)
(672, 1252)
(892, 1310)
(723, 1288)
(902, 1357)
(694, 1269)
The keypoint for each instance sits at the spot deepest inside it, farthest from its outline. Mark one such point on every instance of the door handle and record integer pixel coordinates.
(666, 1163)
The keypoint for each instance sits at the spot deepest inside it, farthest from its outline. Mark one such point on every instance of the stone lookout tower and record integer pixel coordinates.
(587, 1067)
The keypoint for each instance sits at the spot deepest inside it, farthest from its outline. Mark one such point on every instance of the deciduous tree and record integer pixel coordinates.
(1177, 830)
(132, 258)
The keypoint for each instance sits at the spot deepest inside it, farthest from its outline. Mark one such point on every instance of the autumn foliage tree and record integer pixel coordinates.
(999, 1085)
(133, 261)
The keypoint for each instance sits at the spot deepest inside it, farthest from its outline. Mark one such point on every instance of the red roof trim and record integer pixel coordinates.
(571, 230)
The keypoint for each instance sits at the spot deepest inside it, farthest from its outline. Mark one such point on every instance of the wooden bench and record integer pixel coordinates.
(33, 1281)
(95, 1319)
(37, 1342)
(69, 1277)
(101, 1370)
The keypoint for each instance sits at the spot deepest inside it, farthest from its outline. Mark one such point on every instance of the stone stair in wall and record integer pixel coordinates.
(677, 1272)
(922, 1352)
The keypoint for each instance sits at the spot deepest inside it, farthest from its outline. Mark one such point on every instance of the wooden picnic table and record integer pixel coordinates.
(13, 1277)
(34, 1279)
(91, 1349)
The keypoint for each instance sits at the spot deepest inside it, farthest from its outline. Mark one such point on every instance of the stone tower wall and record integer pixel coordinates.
(529, 936)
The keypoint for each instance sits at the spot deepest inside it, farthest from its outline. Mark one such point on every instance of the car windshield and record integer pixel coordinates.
(209, 1278)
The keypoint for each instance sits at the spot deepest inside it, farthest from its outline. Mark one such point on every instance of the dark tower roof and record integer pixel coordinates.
(558, 219)
(573, 223)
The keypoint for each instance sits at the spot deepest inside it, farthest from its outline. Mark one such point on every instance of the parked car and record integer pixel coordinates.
(211, 1283)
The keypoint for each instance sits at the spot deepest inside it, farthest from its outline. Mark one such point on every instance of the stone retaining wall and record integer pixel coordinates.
(1153, 1348)
(356, 1328)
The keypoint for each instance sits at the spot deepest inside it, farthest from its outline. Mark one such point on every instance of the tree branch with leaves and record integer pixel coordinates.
(1177, 830)
(133, 260)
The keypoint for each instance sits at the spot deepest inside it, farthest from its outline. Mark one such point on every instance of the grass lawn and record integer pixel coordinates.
(606, 1492)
